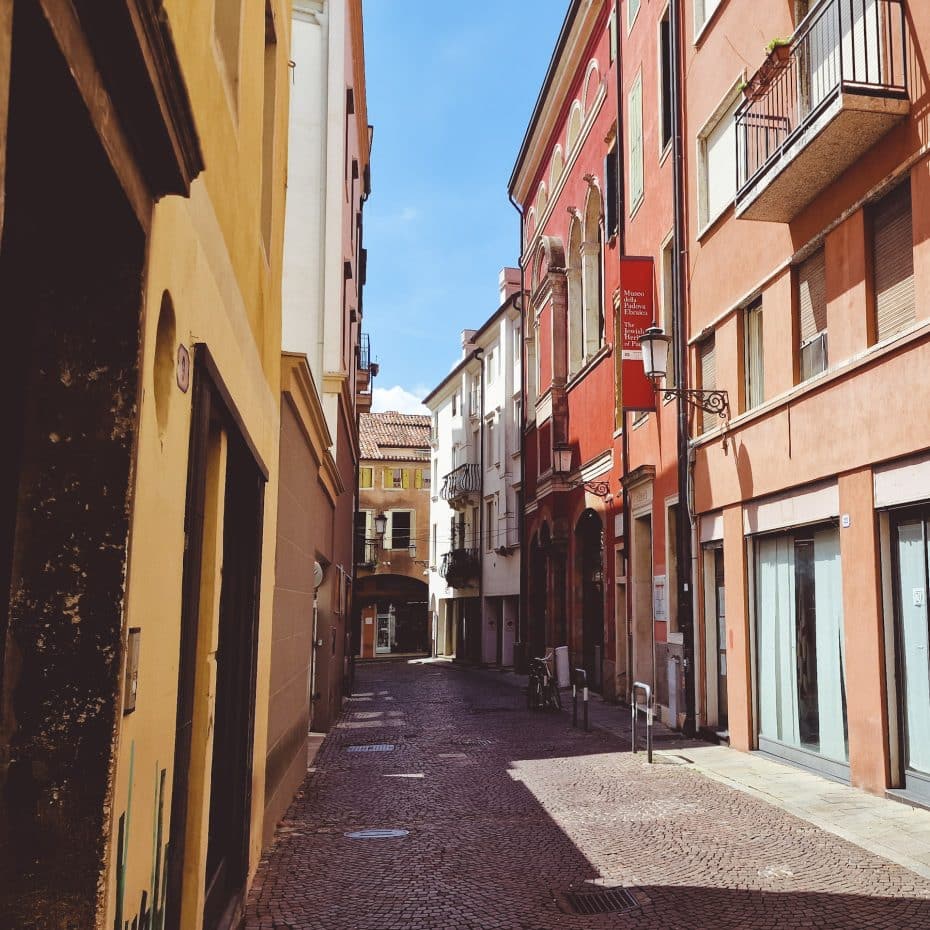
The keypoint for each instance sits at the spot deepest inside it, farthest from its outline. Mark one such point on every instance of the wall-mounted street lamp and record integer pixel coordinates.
(562, 465)
(655, 362)
(412, 551)
(380, 524)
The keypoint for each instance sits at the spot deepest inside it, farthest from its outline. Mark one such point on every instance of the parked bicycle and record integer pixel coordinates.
(542, 690)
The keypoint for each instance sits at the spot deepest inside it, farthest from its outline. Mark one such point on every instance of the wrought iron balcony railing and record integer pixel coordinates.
(850, 53)
(364, 351)
(460, 567)
(366, 552)
(461, 481)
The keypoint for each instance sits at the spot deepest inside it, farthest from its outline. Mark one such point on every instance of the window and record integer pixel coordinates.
(665, 83)
(400, 525)
(490, 366)
(366, 477)
(592, 254)
(707, 356)
(801, 655)
(632, 9)
(474, 397)
(752, 355)
(490, 434)
(893, 263)
(455, 404)
(424, 479)
(668, 305)
(703, 10)
(612, 29)
(575, 299)
(434, 545)
(393, 478)
(475, 528)
(490, 533)
(717, 162)
(611, 208)
(636, 142)
(812, 315)
(268, 125)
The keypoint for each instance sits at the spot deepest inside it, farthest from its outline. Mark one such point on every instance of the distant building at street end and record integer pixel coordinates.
(390, 614)
(477, 490)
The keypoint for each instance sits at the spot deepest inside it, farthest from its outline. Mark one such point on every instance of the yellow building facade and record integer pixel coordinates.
(142, 240)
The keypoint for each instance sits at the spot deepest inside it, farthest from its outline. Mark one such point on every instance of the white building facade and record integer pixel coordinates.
(477, 480)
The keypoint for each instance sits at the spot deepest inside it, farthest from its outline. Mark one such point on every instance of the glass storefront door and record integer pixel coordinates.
(800, 649)
(911, 546)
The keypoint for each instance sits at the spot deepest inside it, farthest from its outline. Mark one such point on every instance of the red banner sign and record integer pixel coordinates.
(635, 314)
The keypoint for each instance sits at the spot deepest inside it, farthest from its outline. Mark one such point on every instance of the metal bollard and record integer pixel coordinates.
(574, 705)
(581, 676)
(648, 707)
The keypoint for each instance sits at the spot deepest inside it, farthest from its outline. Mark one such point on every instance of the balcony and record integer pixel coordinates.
(460, 484)
(366, 553)
(818, 105)
(365, 370)
(460, 567)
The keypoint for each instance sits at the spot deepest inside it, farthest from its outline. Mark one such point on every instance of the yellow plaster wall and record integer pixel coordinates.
(207, 252)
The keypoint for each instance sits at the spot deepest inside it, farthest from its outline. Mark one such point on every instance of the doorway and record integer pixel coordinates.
(385, 631)
(225, 500)
(715, 629)
(589, 535)
(911, 543)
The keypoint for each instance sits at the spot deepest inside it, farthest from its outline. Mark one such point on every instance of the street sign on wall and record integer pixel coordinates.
(635, 313)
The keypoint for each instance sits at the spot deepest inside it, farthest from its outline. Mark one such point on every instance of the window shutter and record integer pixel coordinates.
(755, 373)
(405, 478)
(610, 173)
(708, 354)
(812, 297)
(387, 480)
(636, 141)
(418, 478)
(893, 263)
(720, 164)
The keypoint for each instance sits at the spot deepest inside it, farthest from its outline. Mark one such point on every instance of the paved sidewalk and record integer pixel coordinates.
(501, 814)
(883, 826)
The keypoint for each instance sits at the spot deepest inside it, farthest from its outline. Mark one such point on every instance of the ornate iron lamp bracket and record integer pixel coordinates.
(709, 401)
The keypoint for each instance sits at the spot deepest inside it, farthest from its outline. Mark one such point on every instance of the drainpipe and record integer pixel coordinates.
(684, 567)
(478, 355)
(524, 552)
(624, 435)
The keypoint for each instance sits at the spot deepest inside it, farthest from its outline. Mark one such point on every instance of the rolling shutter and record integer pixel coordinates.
(708, 359)
(812, 313)
(893, 263)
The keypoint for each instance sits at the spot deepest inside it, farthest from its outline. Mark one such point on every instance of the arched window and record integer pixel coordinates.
(574, 271)
(530, 227)
(592, 81)
(574, 127)
(555, 168)
(542, 200)
(592, 252)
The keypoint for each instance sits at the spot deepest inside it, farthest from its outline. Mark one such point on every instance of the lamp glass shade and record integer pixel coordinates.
(655, 353)
(562, 456)
(412, 549)
(380, 524)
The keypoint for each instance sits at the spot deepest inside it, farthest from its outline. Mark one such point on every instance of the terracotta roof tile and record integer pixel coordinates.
(383, 435)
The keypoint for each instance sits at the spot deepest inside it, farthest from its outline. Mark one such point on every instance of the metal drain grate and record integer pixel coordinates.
(376, 834)
(601, 901)
(372, 747)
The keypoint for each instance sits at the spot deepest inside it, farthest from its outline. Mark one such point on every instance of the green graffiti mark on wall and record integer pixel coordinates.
(149, 916)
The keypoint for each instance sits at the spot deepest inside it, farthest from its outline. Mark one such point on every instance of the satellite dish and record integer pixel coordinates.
(317, 574)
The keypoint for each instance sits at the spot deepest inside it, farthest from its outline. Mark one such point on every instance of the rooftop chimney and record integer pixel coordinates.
(468, 341)
(509, 282)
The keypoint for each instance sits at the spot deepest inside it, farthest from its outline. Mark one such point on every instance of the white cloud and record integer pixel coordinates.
(399, 399)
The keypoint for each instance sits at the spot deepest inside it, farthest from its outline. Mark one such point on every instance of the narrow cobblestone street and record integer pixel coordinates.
(507, 810)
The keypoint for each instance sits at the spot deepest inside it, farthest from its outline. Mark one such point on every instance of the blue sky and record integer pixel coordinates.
(451, 87)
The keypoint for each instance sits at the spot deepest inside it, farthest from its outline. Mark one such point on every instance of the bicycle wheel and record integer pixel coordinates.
(553, 695)
(533, 694)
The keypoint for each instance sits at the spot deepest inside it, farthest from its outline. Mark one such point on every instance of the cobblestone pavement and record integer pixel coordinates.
(507, 810)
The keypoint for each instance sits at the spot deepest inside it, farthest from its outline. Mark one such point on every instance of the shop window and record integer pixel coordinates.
(801, 650)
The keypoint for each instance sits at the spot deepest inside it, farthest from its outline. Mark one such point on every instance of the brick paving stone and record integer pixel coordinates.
(514, 808)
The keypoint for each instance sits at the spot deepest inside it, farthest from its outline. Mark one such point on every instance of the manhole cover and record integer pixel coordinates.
(602, 901)
(491, 710)
(372, 747)
(376, 834)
